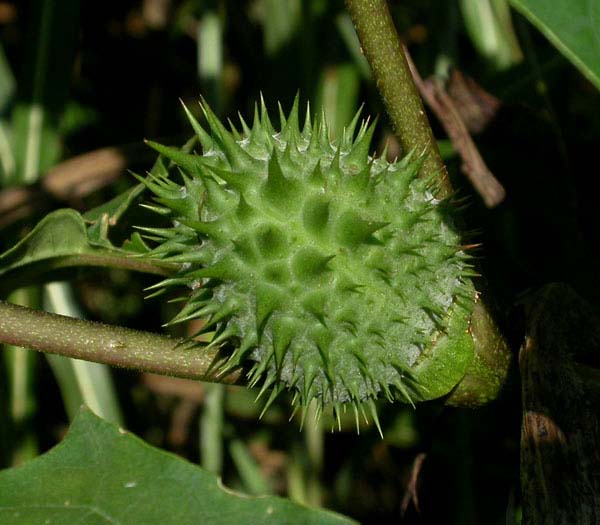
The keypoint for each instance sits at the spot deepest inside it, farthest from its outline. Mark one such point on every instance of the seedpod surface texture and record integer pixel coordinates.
(335, 274)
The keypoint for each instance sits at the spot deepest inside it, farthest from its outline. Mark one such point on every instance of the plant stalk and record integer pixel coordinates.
(40, 271)
(382, 47)
(111, 345)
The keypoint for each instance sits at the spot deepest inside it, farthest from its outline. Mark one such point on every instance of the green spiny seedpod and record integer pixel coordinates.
(338, 275)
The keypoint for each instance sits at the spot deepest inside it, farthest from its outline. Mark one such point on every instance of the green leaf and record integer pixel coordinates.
(114, 208)
(252, 477)
(101, 474)
(103, 217)
(62, 239)
(572, 26)
(61, 233)
(66, 238)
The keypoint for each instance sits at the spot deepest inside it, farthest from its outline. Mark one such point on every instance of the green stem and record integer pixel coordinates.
(111, 345)
(42, 270)
(382, 47)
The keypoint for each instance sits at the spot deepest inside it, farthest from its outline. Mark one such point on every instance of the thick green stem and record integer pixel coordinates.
(111, 345)
(382, 47)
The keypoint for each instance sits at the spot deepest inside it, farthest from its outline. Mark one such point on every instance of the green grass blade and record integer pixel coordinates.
(211, 428)
(315, 452)
(7, 83)
(20, 365)
(7, 159)
(345, 28)
(7, 93)
(306, 461)
(252, 478)
(281, 19)
(489, 25)
(338, 96)
(210, 58)
(44, 86)
(81, 381)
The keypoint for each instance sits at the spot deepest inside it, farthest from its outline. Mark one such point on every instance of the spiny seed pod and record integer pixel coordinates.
(340, 276)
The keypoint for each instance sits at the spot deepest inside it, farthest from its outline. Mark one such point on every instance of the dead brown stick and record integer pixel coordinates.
(71, 180)
(81, 175)
(411, 493)
(18, 203)
(560, 380)
(474, 167)
(476, 107)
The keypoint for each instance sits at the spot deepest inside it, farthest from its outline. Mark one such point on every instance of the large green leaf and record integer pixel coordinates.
(101, 474)
(573, 26)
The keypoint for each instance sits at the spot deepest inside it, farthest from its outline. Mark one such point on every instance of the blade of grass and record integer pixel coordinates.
(20, 366)
(314, 440)
(7, 83)
(490, 28)
(64, 374)
(338, 96)
(252, 478)
(7, 93)
(280, 20)
(43, 87)
(7, 159)
(296, 481)
(306, 461)
(211, 429)
(22, 403)
(80, 381)
(345, 28)
(210, 58)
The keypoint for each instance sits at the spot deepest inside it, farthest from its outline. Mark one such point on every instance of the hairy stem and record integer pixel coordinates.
(41, 271)
(111, 345)
(382, 47)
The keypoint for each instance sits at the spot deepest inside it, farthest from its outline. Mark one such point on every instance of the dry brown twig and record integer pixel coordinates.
(411, 493)
(71, 180)
(445, 109)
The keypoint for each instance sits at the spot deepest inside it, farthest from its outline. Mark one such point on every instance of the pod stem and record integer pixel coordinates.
(383, 49)
(111, 345)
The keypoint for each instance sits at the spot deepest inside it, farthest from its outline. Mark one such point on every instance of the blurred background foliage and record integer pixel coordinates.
(87, 81)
